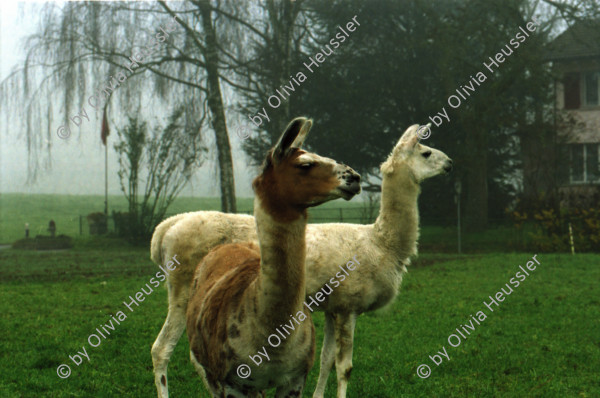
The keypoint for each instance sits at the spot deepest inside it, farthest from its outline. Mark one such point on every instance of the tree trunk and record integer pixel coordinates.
(282, 17)
(537, 177)
(215, 104)
(476, 207)
(538, 154)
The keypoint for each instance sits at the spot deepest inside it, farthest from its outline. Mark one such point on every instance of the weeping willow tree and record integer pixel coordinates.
(123, 55)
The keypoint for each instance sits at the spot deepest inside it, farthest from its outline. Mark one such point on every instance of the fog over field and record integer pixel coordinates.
(77, 164)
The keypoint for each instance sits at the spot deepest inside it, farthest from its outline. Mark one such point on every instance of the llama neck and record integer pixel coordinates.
(281, 282)
(397, 226)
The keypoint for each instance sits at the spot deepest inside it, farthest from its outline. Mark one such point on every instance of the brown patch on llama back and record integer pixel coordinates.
(210, 306)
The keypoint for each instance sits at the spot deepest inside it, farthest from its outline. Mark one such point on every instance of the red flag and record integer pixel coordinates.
(105, 131)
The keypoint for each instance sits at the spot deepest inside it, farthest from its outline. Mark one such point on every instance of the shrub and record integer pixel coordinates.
(551, 229)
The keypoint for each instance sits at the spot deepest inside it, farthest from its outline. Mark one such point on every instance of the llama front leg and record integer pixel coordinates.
(167, 340)
(293, 389)
(327, 356)
(344, 338)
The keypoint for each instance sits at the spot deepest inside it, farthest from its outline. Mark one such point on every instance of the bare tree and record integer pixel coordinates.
(156, 49)
(262, 62)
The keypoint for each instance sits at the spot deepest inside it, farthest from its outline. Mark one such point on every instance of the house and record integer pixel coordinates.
(575, 56)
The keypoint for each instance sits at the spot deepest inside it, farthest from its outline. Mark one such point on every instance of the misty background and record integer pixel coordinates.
(77, 165)
(186, 102)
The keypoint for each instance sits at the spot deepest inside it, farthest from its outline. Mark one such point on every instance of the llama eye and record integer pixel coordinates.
(426, 154)
(305, 166)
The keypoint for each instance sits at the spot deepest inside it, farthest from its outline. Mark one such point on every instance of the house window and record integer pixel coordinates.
(591, 87)
(584, 162)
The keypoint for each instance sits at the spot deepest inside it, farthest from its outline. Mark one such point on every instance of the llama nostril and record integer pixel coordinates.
(354, 178)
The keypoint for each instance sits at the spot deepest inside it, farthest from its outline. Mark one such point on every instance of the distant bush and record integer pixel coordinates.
(41, 242)
(125, 224)
(552, 229)
(98, 223)
(168, 157)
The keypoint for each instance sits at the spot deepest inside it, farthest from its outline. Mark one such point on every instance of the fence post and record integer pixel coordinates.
(458, 188)
(80, 225)
(571, 239)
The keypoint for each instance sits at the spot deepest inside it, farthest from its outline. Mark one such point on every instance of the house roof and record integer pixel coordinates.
(580, 40)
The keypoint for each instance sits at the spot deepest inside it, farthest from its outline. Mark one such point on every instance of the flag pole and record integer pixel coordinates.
(104, 135)
(106, 179)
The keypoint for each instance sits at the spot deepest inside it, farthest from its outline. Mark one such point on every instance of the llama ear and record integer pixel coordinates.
(410, 138)
(292, 137)
(299, 141)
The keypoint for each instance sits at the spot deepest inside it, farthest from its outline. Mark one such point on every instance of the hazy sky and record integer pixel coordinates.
(78, 163)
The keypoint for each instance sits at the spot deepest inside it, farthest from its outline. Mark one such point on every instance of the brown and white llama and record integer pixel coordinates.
(241, 294)
(383, 250)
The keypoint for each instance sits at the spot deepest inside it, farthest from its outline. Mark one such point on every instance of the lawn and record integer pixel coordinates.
(542, 341)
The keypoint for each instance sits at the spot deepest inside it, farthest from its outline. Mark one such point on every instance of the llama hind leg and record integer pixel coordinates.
(327, 356)
(344, 339)
(167, 339)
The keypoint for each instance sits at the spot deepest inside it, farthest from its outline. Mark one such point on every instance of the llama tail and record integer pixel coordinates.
(156, 245)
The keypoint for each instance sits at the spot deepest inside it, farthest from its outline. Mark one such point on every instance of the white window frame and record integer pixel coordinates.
(584, 89)
(585, 151)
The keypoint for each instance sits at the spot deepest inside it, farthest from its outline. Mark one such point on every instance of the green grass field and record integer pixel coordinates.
(542, 341)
